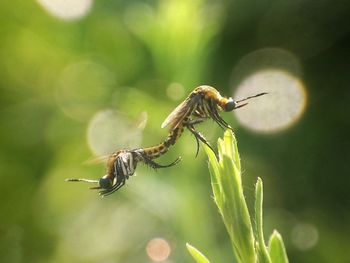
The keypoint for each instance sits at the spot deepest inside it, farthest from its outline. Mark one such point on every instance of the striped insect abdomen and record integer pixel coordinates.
(160, 149)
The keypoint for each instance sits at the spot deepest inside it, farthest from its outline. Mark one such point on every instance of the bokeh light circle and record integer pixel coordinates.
(266, 58)
(278, 72)
(280, 108)
(67, 10)
(110, 130)
(158, 249)
(83, 88)
(102, 233)
(175, 91)
(304, 236)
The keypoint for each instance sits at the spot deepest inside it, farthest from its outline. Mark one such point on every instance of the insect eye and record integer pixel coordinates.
(105, 183)
(230, 105)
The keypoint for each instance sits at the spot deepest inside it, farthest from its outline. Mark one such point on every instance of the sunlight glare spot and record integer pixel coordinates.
(67, 10)
(82, 231)
(175, 91)
(304, 236)
(83, 88)
(279, 109)
(109, 131)
(139, 17)
(158, 249)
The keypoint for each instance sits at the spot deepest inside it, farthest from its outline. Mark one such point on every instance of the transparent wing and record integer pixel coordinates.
(103, 158)
(181, 111)
(97, 160)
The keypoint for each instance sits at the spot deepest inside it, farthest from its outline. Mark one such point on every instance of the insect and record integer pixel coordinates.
(202, 103)
(122, 163)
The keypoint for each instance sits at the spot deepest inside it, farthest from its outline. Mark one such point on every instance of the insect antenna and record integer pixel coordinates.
(250, 97)
(240, 106)
(86, 181)
(81, 180)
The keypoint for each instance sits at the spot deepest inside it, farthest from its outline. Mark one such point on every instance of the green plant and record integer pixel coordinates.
(247, 242)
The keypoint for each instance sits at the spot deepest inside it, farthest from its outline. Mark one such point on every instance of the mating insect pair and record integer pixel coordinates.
(202, 103)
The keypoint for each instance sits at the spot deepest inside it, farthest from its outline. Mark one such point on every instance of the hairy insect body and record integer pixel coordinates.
(202, 103)
(209, 92)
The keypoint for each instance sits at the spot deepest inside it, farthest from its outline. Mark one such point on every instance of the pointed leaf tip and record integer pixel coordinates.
(196, 254)
(263, 254)
(277, 250)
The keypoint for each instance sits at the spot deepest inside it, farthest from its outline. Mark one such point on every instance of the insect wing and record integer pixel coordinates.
(97, 160)
(181, 111)
(176, 115)
(102, 158)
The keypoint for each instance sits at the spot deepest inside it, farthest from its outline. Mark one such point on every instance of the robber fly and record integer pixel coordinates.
(122, 164)
(202, 103)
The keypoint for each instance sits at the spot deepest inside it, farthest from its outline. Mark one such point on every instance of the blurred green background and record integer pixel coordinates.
(79, 79)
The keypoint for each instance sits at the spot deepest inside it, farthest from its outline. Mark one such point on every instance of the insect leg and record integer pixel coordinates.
(216, 117)
(115, 187)
(190, 126)
(155, 165)
(195, 121)
(199, 137)
(119, 168)
(197, 140)
(211, 109)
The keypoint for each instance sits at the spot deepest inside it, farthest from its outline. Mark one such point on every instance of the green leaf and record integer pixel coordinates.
(263, 255)
(215, 176)
(228, 193)
(226, 181)
(196, 254)
(232, 148)
(277, 250)
(235, 212)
